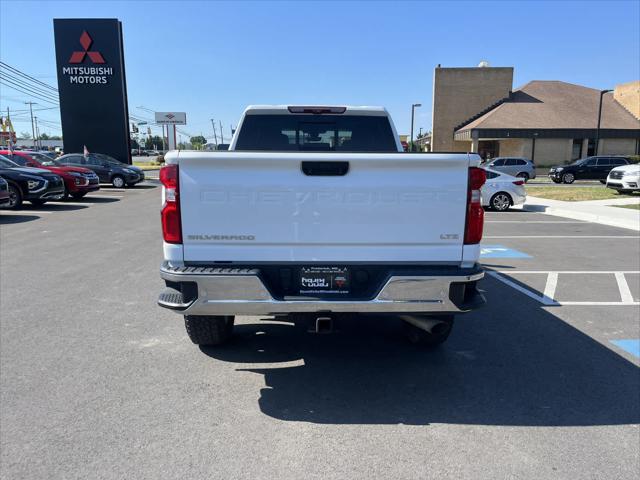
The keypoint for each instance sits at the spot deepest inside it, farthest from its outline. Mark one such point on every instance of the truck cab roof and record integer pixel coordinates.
(316, 109)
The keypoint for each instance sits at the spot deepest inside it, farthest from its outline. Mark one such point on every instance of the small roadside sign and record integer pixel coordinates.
(171, 118)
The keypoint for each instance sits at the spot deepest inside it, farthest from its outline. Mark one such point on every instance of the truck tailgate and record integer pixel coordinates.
(262, 207)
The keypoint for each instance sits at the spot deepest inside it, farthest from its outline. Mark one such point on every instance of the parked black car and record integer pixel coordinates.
(590, 168)
(4, 193)
(32, 184)
(108, 169)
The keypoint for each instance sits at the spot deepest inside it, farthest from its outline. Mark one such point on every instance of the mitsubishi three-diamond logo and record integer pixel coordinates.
(94, 56)
(87, 74)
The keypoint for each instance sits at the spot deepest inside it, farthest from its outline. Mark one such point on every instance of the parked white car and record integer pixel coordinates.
(625, 179)
(502, 191)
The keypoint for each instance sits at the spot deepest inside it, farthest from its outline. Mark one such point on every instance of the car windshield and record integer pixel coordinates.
(18, 160)
(6, 163)
(40, 158)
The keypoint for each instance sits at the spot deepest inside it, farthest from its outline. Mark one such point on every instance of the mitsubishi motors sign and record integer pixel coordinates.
(92, 86)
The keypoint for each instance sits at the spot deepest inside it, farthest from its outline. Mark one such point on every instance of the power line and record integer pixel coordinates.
(35, 89)
(26, 91)
(33, 79)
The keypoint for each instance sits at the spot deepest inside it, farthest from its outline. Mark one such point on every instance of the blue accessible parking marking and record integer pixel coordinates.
(500, 251)
(631, 345)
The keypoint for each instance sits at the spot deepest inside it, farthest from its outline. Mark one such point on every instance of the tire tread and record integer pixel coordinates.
(209, 329)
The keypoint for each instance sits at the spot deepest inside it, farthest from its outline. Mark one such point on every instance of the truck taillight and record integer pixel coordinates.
(170, 214)
(475, 213)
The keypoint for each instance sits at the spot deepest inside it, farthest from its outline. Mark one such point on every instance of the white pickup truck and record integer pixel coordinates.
(315, 213)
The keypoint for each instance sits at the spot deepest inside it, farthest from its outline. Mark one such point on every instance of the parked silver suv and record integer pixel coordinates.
(514, 166)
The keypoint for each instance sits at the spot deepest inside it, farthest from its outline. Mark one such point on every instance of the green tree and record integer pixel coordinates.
(198, 141)
(24, 136)
(44, 136)
(153, 142)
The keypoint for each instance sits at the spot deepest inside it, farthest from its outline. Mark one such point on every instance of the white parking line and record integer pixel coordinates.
(552, 281)
(588, 272)
(8, 213)
(550, 286)
(534, 221)
(636, 237)
(623, 286)
(520, 288)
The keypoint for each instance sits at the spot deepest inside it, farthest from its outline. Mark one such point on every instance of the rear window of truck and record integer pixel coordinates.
(316, 133)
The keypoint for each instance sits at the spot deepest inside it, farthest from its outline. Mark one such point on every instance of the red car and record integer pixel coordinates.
(78, 181)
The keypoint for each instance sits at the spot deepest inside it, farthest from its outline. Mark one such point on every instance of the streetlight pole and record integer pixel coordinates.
(413, 108)
(602, 92)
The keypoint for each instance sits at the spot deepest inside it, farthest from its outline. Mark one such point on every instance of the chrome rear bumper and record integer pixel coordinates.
(224, 291)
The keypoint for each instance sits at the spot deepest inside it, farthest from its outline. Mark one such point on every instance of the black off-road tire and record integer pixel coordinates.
(437, 337)
(209, 330)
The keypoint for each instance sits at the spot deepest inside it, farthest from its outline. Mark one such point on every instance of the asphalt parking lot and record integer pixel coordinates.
(99, 382)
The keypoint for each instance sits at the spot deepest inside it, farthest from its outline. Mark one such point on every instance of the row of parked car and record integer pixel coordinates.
(37, 177)
(608, 169)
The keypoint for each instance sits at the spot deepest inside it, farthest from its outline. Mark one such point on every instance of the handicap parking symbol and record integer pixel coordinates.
(500, 251)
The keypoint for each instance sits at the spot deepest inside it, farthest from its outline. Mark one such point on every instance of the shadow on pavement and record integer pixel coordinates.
(90, 199)
(511, 363)
(52, 206)
(7, 219)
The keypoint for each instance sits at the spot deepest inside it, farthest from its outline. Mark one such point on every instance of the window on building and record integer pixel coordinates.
(591, 148)
(576, 149)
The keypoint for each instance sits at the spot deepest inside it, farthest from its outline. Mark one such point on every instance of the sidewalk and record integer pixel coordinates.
(597, 211)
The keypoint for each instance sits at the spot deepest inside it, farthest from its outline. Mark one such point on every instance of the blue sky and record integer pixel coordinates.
(211, 59)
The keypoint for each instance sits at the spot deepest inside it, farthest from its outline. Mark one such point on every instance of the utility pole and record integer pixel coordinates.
(33, 130)
(221, 135)
(215, 137)
(37, 139)
(602, 92)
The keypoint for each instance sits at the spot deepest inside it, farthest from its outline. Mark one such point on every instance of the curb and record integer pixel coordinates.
(588, 217)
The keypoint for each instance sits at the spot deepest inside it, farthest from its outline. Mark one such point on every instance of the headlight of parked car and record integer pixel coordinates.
(559, 169)
(631, 174)
(128, 170)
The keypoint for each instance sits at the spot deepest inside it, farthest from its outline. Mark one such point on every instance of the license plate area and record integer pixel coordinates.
(324, 280)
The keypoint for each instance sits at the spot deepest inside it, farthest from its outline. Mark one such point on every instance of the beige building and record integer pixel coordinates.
(550, 122)
(461, 93)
